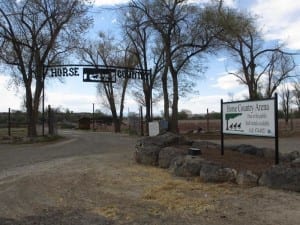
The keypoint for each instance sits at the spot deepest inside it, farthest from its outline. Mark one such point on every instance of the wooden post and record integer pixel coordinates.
(50, 121)
(43, 105)
(141, 119)
(9, 123)
(276, 130)
(207, 120)
(93, 116)
(222, 134)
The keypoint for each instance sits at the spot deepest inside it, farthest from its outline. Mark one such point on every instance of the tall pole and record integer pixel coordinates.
(151, 100)
(142, 126)
(9, 123)
(276, 130)
(43, 105)
(222, 134)
(93, 116)
(207, 120)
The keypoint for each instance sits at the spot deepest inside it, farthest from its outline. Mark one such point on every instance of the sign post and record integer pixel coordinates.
(222, 134)
(276, 131)
(252, 118)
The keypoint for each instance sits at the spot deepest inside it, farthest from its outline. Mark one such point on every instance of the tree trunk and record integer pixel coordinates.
(174, 117)
(165, 92)
(109, 92)
(117, 125)
(116, 120)
(31, 123)
(147, 94)
(31, 115)
(125, 83)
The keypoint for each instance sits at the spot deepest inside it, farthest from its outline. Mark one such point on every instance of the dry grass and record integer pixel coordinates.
(181, 195)
(15, 132)
(176, 194)
(109, 212)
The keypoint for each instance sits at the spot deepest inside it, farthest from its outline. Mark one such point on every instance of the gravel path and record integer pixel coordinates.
(91, 179)
(77, 143)
(286, 145)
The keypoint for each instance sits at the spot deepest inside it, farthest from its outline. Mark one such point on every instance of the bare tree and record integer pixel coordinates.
(179, 28)
(109, 53)
(286, 99)
(261, 68)
(147, 52)
(296, 93)
(34, 33)
(281, 68)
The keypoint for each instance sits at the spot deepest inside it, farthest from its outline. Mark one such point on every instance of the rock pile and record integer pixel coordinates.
(171, 151)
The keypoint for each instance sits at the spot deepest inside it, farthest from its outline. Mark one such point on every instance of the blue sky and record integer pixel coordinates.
(279, 19)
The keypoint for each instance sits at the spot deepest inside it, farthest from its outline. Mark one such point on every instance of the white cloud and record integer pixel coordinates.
(110, 2)
(199, 104)
(222, 59)
(78, 102)
(227, 82)
(239, 95)
(231, 3)
(9, 99)
(280, 20)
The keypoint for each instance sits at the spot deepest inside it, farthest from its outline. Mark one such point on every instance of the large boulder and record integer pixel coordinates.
(247, 178)
(281, 177)
(148, 148)
(163, 140)
(249, 149)
(291, 156)
(147, 155)
(167, 154)
(187, 166)
(296, 163)
(204, 144)
(211, 172)
(268, 152)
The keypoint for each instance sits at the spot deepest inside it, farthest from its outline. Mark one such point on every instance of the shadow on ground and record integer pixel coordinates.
(56, 216)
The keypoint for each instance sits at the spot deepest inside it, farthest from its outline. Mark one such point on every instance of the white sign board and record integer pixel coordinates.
(154, 128)
(256, 118)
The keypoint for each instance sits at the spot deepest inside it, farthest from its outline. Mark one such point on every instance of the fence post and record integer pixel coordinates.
(222, 133)
(9, 123)
(207, 120)
(50, 121)
(94, 117)
(142, 125)
(276, 130)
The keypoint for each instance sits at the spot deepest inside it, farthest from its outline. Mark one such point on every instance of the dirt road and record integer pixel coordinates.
(91, 179)
(285, 145)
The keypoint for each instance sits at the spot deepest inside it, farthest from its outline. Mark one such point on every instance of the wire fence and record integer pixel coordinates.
(15, 122)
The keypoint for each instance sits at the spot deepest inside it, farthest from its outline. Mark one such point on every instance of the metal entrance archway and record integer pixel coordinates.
(91, 73)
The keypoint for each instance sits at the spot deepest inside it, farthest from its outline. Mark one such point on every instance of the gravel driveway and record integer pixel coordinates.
(77, 143)
(91, 179)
